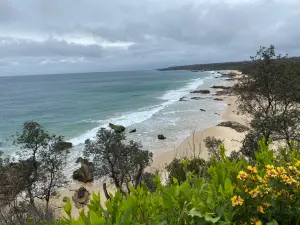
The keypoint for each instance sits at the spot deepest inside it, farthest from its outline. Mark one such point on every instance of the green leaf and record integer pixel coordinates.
(228, 188)
(175, 181)
(193, 212)
(273, 222)
(95, 220)
(68, 207)
(209, 218)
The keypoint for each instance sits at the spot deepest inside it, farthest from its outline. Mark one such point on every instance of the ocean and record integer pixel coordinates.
(77, 105)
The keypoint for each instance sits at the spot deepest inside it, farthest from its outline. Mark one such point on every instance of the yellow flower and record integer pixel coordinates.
(256, 222)
(297, 163)
(260, 209)
(237, 200)
(269, 167)
(259, 178)
(242, 175)
(281, 170)
(272, 173)
(254, 192)
(252, 169)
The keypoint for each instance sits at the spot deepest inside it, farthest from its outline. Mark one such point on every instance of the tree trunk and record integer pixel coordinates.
(105, 191)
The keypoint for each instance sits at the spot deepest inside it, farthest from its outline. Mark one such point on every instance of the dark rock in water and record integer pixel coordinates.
(117, 128)
(161, 137)
(218, 99)
(63, 145)
(79, 160)
(220, 87)
(234, 125)
(85, 172)
(200, 92)
(132, 131)
(203, 110)
(87, 141)
(196, 98)
(182, 99)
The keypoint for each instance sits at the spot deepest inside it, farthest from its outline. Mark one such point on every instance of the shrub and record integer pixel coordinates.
(266, 192)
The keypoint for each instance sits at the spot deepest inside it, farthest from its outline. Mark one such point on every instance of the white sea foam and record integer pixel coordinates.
(141, 115)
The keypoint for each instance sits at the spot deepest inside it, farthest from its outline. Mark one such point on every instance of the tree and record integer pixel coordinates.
(179, 171)
(123, 162)
(213, 146)
(45, 156)
(270, 94)
(51, 176)
(32, 140)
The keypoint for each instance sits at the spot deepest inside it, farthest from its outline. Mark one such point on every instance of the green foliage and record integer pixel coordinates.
(270, 93)
(233, 193)
(113, 158)
(177, 169)
(213, 145)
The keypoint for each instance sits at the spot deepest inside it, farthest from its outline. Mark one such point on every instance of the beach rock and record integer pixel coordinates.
(218, 99)
(132, 131)
(182, 99)
(63, 145)
(85, 172)
(220, 87)
(87, 141)
(223, 92)
(79, 160)
(117, 128)
(161, 137)
(200, 92)
(196, 98)
(81, 197)
(203, 110)
(234, 125)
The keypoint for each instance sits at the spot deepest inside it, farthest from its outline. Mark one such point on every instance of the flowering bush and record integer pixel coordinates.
(266, 192)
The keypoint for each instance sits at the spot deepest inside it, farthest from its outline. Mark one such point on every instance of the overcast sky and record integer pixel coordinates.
(58, 36)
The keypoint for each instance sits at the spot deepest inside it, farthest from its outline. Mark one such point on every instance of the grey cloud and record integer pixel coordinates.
(164, 33)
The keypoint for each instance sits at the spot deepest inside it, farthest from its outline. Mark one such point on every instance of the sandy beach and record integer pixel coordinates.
(192, 146)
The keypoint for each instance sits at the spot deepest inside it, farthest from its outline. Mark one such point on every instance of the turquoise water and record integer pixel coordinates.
(73, 104)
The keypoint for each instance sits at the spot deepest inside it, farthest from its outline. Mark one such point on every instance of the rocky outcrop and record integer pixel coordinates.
(223, 92)
(132, 131)
(218, 99)
(81, 197)
(203, 110)
(78, 160)
(234, 125)
(220, 87)
(161, 137)
(85, 172)
(200, 92)
(63, 145)
(117, 128)
(182, 99)
(196, 98)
